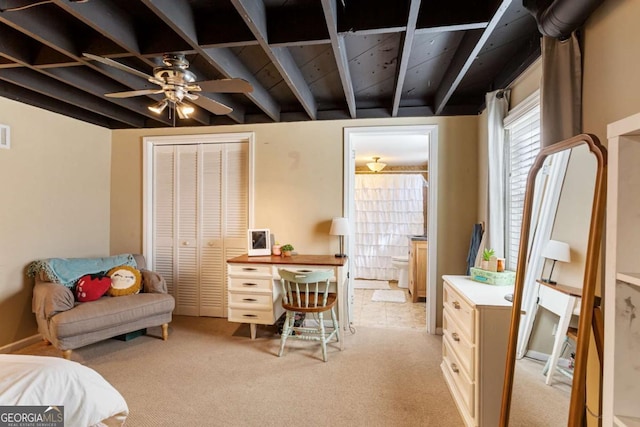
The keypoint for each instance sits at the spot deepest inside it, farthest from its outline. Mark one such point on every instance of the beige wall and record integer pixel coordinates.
(55, 202)
(299, 183)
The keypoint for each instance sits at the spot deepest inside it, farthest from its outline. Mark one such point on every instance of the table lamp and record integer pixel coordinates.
(556, 251)
(340, 227)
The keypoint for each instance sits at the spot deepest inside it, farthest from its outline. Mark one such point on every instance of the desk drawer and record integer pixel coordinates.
(250, 284)
(458, 343)
(252, 270)
(247, 300)
(263, 317)
(463, 384)
(460, 311)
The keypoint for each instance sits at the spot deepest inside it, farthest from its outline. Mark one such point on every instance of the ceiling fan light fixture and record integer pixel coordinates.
(184, 110)
(159, 106)
(375, 166)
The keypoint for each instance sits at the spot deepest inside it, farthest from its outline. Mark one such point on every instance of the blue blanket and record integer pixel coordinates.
(67, 271)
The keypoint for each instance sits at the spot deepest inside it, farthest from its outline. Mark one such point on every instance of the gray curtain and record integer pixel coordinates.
(560, 89)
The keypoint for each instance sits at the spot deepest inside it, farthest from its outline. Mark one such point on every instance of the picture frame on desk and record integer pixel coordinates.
(258, 242)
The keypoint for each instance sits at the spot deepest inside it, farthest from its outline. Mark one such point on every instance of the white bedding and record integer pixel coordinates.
(88, 399)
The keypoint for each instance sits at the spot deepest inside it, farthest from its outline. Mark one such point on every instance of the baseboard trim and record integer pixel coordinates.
(25, 342)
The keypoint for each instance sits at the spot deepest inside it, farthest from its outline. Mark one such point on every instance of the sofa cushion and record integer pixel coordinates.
(153, 282)
(91, 287)
(125, 280)
(108, 312)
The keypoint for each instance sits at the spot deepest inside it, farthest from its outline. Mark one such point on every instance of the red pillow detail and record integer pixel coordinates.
(91, 287)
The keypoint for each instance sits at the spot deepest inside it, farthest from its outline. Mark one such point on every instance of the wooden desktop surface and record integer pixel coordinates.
(328, 260)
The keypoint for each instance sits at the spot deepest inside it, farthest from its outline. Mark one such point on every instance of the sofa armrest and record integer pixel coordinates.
(50, 299)
(153, 282)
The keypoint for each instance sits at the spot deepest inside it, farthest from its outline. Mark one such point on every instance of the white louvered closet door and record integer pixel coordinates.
(200, 220)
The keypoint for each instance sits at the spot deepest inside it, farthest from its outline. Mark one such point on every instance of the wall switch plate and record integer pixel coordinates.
(5, 137)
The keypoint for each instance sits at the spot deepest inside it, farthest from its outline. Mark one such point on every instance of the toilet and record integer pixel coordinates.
(402, 264)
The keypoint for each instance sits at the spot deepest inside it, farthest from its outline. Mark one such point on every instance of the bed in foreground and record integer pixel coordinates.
(88, 399)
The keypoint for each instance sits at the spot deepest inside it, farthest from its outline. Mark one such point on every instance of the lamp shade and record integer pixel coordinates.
(375, 166)
(339, 227)
(559, 251)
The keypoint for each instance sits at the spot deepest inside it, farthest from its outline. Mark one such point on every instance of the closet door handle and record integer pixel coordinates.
(456, 305)
(185, 243)
(454, 368)
(455, 336)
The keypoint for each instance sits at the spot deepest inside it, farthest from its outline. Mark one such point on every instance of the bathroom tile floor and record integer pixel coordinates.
(388, 314)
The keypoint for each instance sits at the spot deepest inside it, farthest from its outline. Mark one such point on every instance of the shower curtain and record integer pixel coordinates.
(389, 209)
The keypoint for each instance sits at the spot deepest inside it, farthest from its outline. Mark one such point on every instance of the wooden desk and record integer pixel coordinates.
(253, 286)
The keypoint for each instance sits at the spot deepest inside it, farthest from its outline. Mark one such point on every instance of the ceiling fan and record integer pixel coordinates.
(178, 83)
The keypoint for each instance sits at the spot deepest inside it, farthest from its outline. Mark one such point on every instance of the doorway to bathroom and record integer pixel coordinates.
(391, 206)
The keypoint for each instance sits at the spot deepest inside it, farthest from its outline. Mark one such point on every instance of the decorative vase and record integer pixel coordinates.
(286, 253)
(484, 265)
(275, 250)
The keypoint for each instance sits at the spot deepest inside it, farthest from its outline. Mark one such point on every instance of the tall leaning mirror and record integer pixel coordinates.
(556, 276)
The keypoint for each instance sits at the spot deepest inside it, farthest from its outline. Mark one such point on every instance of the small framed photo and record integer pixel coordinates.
(259, 241)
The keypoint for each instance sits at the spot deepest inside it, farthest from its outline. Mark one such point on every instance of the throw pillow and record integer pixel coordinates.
(125, 280)
(91, 287)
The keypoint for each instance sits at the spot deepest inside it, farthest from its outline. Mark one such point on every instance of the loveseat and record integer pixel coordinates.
(68, 324)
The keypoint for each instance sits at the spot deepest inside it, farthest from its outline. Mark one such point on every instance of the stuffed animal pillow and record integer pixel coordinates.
(91, 287)
(125, 280)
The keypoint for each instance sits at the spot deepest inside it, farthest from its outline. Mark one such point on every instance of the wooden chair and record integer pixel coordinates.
(307, 292)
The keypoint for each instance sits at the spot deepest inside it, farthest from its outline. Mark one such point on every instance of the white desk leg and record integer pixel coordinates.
(342, 313)
(561, 333)
(253, 328)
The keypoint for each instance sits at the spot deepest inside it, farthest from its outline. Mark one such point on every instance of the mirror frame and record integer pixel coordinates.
(577, 405)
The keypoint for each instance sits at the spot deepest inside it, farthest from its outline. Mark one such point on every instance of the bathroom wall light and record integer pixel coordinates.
(375, 166)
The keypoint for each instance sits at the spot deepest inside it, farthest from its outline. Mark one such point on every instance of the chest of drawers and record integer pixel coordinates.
(475, 324)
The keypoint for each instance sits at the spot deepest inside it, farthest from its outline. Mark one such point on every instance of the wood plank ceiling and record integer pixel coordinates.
(306, 59)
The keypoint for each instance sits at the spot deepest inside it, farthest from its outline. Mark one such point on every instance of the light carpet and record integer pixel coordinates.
(210, 373)
(371, 284)
(383, 295)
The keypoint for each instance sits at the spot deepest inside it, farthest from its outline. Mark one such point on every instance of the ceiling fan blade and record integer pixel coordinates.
(225, 86)
(131, 93)
(122, 67)
(213, 106)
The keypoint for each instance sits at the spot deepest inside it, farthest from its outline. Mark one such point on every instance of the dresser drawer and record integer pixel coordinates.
(463, 384)
(458, 343)
(460, 311)
(250, 284)
(253, 270)
(264, 317)
(250, 300)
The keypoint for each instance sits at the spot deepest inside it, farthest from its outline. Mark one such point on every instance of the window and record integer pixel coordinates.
(522, 144)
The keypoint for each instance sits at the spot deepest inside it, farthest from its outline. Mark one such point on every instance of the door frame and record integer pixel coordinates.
(149, 142)
(431, 133)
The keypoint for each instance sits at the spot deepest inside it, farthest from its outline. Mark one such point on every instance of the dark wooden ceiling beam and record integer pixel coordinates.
(38, 27)
(35, 81)
(469, 48)
(17, 47)
(255, 16)
(26, 96)
(340, 54)
(178, 15)
(405, 52)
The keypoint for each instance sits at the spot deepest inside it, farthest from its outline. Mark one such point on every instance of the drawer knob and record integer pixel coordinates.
(249, 284)
(249, 315)
(455, 336)
(456, 305)
(249, 299)
(249, 269)
(454, 368)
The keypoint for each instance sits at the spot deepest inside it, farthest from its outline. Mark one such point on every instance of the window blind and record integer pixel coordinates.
(522, 127)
